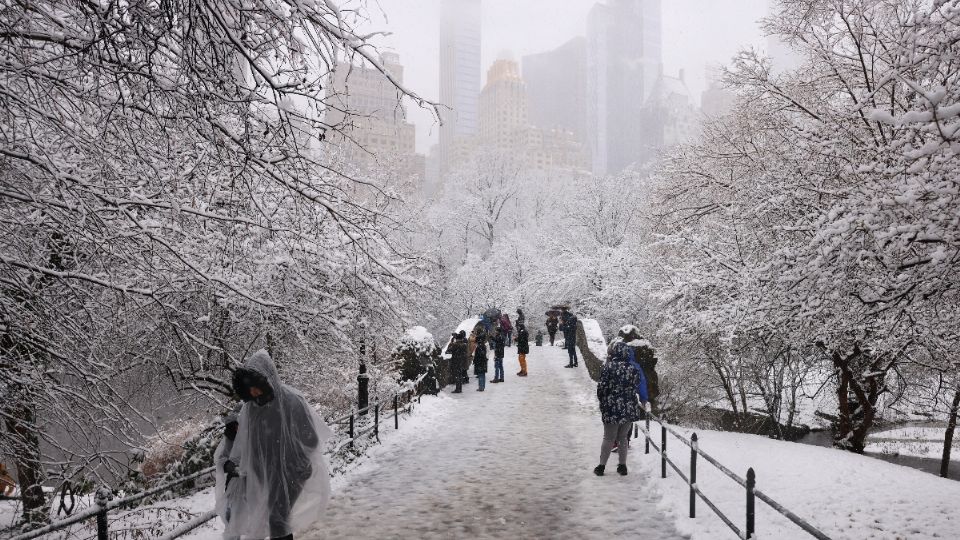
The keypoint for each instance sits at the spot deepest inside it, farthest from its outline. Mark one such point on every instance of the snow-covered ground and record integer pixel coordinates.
(515, 462)
(844, 495)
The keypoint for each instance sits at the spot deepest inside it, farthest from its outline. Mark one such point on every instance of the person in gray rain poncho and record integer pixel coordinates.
(275, 479)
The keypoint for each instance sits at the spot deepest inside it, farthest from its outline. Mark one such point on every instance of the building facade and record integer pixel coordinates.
(557, 88)
(624, 57)
(370, 115)
(460, 41)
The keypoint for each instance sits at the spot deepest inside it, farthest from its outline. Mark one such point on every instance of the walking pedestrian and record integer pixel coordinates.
(521, 318)
(499, 339)
(277, 454)
(459, 356)
(228, 496)
(568, 325)
(523, 348)
(621, 384)
(552, 325)
(480, 361)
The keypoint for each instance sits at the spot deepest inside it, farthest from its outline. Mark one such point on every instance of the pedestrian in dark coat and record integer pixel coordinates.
(459, 357)
(521, 318)
(480, 362)
(499, 339)
(621, 391)
(523, 348)
(568, 325)
(552, 325)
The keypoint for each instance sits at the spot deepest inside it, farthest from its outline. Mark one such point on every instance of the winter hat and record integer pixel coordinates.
(462, 334)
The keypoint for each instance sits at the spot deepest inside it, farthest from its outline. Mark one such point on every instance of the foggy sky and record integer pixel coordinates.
(695, 33)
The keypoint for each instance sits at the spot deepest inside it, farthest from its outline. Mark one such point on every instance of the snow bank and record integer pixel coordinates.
(595, 340)
(922, 442)
(418, 339)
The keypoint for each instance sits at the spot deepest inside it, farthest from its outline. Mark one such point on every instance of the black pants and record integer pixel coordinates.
(552, 336)
(279, 519)
(572, 351)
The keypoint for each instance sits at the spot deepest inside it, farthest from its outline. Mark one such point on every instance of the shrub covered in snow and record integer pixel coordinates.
(418, 353)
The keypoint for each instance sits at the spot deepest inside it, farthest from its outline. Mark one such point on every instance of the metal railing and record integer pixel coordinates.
(749, 483)
(103, 497)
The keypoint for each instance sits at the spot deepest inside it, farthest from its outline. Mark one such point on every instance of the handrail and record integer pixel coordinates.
(749, 483)
(100, 510)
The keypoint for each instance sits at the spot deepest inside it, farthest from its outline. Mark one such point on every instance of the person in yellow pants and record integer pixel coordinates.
(523, 348)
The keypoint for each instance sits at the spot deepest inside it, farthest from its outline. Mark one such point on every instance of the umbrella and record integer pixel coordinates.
(552, 313)
(560, 307)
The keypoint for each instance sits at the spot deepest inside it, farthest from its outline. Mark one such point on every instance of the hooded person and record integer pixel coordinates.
(622, 393)
(276, 457)
(229, 492)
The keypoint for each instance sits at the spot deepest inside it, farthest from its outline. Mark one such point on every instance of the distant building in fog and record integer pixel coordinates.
(370, 113)
(503, 106)
(623, 61)
(505, 127)
(460, 41)
(669, 116)
(557, 88)
(716, 100)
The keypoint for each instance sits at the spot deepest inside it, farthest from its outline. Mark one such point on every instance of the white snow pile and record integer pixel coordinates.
(922, 442)
(595, 340)
(419, 339)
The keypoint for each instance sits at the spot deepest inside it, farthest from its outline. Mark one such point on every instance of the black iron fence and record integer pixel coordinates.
(751, 493)
(401, 402)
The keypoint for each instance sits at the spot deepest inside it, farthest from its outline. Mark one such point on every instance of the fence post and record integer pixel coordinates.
(376, 420)
(396, 415)
(351, 429)
(751, 484)
(663, 451)
(102, 498)
(647, 437)
(693, 475)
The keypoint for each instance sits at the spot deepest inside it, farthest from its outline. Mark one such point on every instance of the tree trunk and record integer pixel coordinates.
(21, 422)
(948, 436)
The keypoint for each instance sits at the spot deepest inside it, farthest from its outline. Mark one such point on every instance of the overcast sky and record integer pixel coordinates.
(696, 33)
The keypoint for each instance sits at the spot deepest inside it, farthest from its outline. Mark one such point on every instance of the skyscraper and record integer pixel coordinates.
(623, 63)
(503, 105)
(557, 88)
(459, 74)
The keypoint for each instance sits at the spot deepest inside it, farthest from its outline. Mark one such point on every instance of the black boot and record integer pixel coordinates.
(598, 470)
(622, 469)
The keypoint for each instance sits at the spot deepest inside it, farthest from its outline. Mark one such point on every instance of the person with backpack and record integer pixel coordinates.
(459, 356)
(499, 339)
(523, 348)
(506, 328)
(480, 361)
(276, 455)
(568, 325)
(622, 392)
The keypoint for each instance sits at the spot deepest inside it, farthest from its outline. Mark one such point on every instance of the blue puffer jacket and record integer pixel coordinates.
(621, 383)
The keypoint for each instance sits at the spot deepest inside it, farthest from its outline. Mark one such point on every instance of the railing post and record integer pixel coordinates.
(647, 438)
(376, 421)
(102, 498)
(663, 451)
(693, 475)
(351, 429)
(751, 484)
(396, 415)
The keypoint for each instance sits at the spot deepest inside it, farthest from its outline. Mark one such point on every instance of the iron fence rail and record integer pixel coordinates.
(748, 483)
(99, 511)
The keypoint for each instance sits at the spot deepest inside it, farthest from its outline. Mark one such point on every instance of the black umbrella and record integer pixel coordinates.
(560, 307)
(552, 313)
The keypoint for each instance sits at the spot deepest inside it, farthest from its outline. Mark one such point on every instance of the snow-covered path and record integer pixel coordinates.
(512, 462)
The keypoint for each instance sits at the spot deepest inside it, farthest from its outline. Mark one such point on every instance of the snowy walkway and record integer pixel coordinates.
(512, 462)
